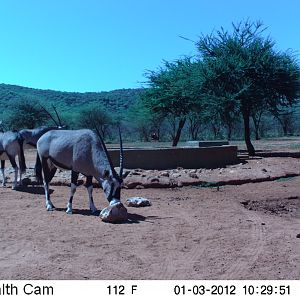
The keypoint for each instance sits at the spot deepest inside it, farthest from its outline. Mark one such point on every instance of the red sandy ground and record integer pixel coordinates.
(246, 231)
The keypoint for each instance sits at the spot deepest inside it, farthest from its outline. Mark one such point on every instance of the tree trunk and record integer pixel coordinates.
(285, 127)
(256, 122)
(178, 132)
(247, 134)
(229, 132)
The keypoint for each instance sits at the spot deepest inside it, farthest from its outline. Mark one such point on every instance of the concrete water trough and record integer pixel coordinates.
(171, 158)
(207, 143)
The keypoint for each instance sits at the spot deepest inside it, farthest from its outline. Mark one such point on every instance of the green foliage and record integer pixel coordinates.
(144, 120)
(243, 73)
(174, 92)
(68, 104)
(25, 114)
(238, 75)
(174, 88)
(94, 117)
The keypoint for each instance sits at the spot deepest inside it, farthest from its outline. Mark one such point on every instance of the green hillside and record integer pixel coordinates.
(116, 101)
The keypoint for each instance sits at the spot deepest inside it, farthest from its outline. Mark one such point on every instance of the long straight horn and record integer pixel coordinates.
(105, 150)
(47, 112)
(121, 155)
(58, 118)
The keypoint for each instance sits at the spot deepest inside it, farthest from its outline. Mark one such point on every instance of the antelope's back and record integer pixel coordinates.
(70, 149)
(9, 143)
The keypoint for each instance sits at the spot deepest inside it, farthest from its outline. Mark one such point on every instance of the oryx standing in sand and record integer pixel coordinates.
(82, 151)
(31, 136)
(11, 145)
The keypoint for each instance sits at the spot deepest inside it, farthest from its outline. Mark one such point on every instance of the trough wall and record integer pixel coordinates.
(171, 158)
(207, 143)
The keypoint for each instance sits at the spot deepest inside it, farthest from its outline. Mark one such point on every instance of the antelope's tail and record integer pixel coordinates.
(22, 162)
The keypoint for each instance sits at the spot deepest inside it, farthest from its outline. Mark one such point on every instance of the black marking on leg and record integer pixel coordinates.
(74, 177)
(71, 199)
(52, 173)
(2, 164)
(38, 170)
(22, 163)
(48, 173)
(12, 161)
(89, 181)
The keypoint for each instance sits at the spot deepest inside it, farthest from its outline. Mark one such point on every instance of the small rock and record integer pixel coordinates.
(165, 174)
(263, 223)
(139, 187)
(154, 179)
(193, 175)
(135, 173)
(138, 202)
(245, 202)
(264, 170)
(114, 213)
(176, 175)
(298, 236)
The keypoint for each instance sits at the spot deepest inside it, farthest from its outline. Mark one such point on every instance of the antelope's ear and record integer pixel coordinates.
(106, 174)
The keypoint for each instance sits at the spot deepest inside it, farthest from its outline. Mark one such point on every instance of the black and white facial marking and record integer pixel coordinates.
(112, 189)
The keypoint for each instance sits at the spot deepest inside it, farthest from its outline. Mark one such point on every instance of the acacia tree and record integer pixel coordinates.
(285, 117)
(145, 121)
(195, 122)
(173, 92)
(245, 65)
(26, 114)
(94, 117)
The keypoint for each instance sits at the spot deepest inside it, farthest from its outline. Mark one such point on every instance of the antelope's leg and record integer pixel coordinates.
(2, 172)
(89, 187)
(48, 175)
(20, 182)
(74, 178)
(14, 165)
(38, 170)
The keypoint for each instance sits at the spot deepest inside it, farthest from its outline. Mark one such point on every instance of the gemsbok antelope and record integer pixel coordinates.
(11, 145)
(31, 136)
(82, 151)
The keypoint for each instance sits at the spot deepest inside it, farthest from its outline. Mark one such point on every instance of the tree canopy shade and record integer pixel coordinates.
(243, 72)
(173, 91)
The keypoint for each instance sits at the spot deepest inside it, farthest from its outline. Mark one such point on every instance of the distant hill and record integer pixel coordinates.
(116, 101)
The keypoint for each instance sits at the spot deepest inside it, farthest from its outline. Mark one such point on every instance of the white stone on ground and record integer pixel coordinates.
(138, 202)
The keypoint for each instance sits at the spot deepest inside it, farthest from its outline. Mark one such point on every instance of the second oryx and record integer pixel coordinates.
(31, 136)
(82, 151)
(10, 147)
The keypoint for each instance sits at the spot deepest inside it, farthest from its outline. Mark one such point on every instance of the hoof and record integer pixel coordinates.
(93, 210)
(13, 187)
(114, 213)
(69, 211)
(50, 207)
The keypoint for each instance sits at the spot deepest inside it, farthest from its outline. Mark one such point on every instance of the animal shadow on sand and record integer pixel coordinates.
(132, 218)
(39, 190)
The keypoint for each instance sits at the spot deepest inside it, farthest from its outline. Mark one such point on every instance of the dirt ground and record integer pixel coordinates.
(239, 222)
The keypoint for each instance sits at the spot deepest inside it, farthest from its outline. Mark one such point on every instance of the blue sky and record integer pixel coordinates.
(101, 45)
